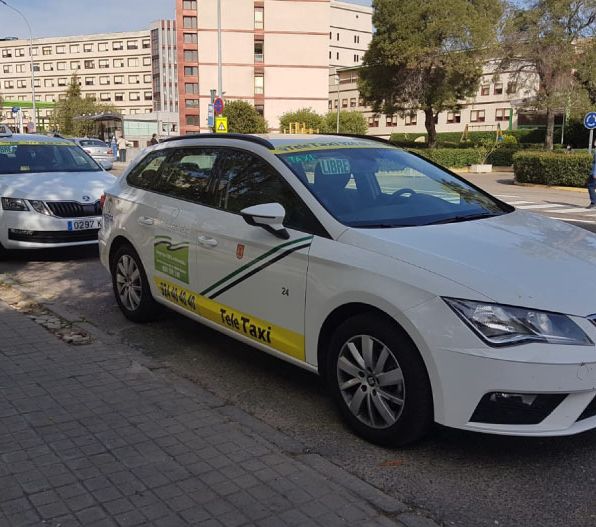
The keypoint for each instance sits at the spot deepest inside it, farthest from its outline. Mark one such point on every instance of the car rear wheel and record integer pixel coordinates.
(379, 381)
(131, 286)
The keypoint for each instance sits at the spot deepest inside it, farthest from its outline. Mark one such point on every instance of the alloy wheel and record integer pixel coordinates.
(128, 282)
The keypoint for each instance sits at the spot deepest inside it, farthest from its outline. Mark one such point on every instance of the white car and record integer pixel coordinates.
(419, 297)
(50, 192)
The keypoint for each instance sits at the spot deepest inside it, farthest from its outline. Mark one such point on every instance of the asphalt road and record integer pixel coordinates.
(461, 478)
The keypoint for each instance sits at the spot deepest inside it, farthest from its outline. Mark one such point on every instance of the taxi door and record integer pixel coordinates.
(253, 282)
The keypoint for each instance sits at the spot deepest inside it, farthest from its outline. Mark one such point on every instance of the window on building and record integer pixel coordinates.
(193, 120)
(34, 52)
(259, 18)
(20, 68)
(119, 96)
(511, 87)
(49, 98)
(330, 55)
(191, 38)
(502, 114)
(191, 71)
(259, 84)
(46, 50)
(132, 44)
(356, 58)
(485, 89)
(189, 22)
(62, 96)
(337, 37)
(118, 79)
(90, 81)
(344, 103)
(134, 96)
(48, 66)
(133, 79)
(37, 83)
(105, 97)
(118, 63)
(87, 48)
(191, 87)
(6, 53)
(48, 83)
(373, 121)
(21, 84)
(8, 85)
(353, 102)
(147, 78)
(7, 68)
(498, 88)
(60, 50)
(391, 120)
(189, 4)
(118, 45)
(36, 67)
(62, 81)
(191, 103)
(91, 96)
(103, 64)
(146, 61)
(104, 80)
(330, 105)
(133, 62)
(61, 66)
(75, 65)
(20, 52)
(335, 103)
(477, 116)
(337, 56)
(73, 48)
(260, 108)
(102, 46)
(146, 43)
(259, 48)
(89, 64)
(148, 96)
(191, 55)
(411, 119)
(453, 117)
(356, 39)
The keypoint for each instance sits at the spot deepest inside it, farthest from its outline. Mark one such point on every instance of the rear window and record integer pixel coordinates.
(30, 157)
(92, 142)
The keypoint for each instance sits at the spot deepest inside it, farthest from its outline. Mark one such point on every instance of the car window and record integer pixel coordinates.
(187, 173)
(245, 180)
(387, 187)
(31, 157)
(92, 142)
(147, 174)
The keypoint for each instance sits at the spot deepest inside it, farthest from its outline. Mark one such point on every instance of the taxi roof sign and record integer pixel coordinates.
(221, 125)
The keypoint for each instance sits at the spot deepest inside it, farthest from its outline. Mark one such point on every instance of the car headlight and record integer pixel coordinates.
(500, 325)
(14, 204)
(39, 206)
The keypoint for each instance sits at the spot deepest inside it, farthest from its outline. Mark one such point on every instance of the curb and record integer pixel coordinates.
(549, 187)
(394, 509)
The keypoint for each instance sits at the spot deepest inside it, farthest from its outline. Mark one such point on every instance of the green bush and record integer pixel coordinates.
(450, 157)
(521, 135)
(503, 156)
(552, 168)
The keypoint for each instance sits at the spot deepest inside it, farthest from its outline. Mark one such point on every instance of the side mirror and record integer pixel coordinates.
(106, 165)
(270, 216)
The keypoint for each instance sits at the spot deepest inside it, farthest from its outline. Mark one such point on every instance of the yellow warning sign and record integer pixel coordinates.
(221, 125)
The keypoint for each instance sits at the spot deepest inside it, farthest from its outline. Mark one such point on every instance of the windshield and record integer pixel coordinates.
(26, 158)
(388, 187)
(92, 142)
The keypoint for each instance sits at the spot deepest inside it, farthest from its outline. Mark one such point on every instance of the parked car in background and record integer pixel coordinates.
(50, 192)
(98, 150)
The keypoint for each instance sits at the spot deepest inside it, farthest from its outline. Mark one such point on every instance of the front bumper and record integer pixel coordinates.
(31, 230)
(528, 390)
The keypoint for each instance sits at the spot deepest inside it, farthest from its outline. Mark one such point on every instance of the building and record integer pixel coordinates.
(133, 71)
(275, 55)
(495, 105)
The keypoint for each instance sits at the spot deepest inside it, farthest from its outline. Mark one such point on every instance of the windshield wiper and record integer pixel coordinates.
(468, 217)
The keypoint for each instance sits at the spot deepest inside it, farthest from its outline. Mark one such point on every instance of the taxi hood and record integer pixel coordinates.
(56, 186)
(519, 258)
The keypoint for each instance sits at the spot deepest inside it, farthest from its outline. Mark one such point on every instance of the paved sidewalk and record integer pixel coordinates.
(90, 436)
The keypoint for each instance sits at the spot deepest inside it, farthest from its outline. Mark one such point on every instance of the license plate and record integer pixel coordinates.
(83, 225)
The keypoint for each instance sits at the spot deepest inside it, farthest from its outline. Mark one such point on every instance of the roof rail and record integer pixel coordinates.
(243, 137)
(5, 131)
(362, 136)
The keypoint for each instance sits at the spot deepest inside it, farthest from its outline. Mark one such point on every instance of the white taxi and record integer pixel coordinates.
(419, 297)
(49, 192)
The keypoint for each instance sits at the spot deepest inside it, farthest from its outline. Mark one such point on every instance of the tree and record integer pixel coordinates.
(307, 116)
(243, 118)
(544, 37)
(427, 55)
(586, 70)
(72, 106)
(349, 123)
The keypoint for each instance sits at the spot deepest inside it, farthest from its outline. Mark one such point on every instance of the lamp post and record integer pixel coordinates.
(219, 58)
(337, 82)
(34, 118)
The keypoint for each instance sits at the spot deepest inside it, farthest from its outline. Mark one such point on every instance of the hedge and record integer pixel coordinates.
(523, 135)
(450, 157)
(552, 168)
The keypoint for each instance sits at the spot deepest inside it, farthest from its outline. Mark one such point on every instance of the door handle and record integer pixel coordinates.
(205, 241)
(144, 220)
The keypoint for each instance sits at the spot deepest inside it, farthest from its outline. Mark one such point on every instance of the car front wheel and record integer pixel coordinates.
(131, 286)
(379, 381)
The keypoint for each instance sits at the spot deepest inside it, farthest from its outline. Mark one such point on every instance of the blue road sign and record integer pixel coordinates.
(16, 109)
(218, 105)
(210, 116)
(590, 120)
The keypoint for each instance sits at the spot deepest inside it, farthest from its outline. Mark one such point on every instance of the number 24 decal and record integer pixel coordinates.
(285, 291)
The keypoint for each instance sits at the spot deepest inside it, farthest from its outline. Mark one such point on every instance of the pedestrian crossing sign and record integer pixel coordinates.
(221, 125)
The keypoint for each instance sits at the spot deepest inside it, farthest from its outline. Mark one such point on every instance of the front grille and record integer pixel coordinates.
(511, 409)
(73, 209)
(53, 236)
(590, 411)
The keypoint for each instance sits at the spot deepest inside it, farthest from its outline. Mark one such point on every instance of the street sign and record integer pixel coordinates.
(590, 120)
(221, 125)
(218, 105)
(15, 109)
(210, 116)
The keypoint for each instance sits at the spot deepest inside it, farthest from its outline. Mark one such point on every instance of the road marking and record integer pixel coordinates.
(572, 220)
(506, 196)
(520, 202)
(575, 210)
(544, 206)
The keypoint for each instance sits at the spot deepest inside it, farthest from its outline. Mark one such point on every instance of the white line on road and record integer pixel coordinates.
(519, 202)
(571, 219)
(505, 196)
(575, 210)
(544, 206)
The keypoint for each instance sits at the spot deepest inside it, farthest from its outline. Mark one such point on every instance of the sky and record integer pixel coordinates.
(80, 17)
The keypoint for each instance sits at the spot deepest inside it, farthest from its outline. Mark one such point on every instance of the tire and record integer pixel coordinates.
(385, 394)
(131, 287)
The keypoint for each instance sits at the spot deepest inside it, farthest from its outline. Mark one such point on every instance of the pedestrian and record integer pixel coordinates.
(154, 140)
(114, 146)
(122, 149)
(592, 181)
